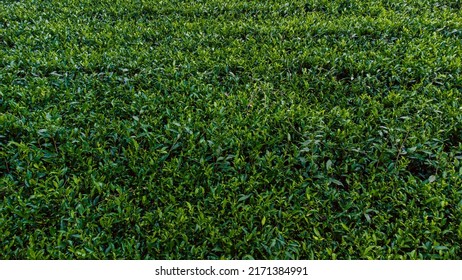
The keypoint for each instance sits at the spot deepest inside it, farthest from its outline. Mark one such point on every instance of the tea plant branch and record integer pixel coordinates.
(54, 144)
(400, 148)
(7, 167)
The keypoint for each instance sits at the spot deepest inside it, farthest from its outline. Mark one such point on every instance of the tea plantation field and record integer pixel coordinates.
(213, 129)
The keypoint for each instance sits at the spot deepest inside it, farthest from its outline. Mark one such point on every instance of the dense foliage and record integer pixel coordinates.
(209, 129)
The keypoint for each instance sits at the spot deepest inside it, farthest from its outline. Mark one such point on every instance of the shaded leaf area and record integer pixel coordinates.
(230, 130)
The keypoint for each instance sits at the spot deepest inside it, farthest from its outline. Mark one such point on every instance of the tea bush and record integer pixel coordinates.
(212, 129)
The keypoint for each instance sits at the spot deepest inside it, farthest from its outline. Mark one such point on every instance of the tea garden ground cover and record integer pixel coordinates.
(230, 129)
